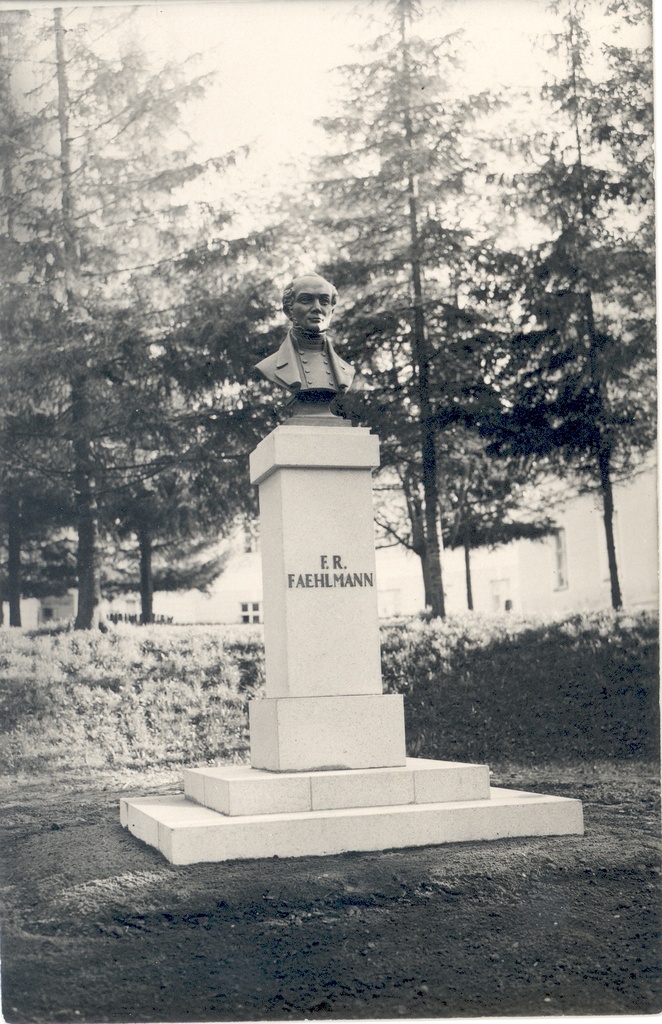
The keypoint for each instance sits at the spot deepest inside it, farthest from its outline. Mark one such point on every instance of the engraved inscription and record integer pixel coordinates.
(338, 576)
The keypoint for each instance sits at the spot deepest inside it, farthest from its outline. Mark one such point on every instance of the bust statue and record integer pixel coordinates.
(306, 364)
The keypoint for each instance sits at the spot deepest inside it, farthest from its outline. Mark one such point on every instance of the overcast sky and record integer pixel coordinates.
(274, 59)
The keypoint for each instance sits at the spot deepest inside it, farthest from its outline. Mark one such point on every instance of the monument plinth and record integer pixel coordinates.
(321, 629)
(329, 772)
(318, 560)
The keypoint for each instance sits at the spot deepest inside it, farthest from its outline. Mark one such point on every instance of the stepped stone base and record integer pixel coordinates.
(424, 803)
(238, 789)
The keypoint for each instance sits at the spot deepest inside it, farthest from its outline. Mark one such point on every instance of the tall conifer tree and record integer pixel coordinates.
(392, 197)
(578, 384)
(94, 211)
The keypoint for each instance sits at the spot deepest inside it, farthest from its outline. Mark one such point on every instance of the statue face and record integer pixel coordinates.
(311, 308)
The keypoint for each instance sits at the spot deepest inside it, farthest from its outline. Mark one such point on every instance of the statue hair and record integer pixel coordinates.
(288, 293)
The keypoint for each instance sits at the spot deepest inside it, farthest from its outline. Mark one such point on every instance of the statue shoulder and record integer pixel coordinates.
(267, 363)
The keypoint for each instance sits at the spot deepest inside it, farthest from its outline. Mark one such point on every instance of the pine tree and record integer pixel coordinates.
(486, 501)
(392, 197)
(176, 518)
(161, 558)
(577, 386)
(92, 200)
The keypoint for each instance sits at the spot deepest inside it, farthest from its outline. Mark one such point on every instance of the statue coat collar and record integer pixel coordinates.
(289, 370)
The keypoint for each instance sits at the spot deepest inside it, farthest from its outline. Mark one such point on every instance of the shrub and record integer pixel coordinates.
(482, 689)
(127, 697)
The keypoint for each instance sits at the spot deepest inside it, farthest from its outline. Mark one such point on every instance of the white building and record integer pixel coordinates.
(564, 572)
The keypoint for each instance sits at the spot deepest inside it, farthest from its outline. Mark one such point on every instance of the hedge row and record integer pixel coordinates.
(585, 688)
(475, 689)
(130, 697)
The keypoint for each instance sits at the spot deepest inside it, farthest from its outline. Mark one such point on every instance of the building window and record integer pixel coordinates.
(250, 611)
(560, 560)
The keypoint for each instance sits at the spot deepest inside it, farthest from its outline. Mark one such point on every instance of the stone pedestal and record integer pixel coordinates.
(329, 771)
(240, 813)
(321, 630)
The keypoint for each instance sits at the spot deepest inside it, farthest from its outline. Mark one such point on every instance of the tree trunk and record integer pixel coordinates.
(13, 504)
(89, 592)
(603, 446)
(418, 543)
(8, 144)
(87, 514)
(14, 558)
(428, 427)
(433, 552)
(604, 458)
(422, 361)
(467, 573)
(423, 555)
(146, 580)
(69, 238)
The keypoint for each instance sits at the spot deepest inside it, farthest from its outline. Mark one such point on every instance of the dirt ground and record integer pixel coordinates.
(98, 927)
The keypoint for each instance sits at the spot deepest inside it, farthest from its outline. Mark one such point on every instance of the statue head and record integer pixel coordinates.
(309, 302)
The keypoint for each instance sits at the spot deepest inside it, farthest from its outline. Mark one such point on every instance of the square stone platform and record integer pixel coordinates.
(237, 812)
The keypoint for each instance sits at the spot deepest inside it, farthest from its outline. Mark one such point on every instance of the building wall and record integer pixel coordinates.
(35, 612)
(231, 598)
(494, 580)
(637, 539)
(561, 573)
(399, 582)
(586, 585)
